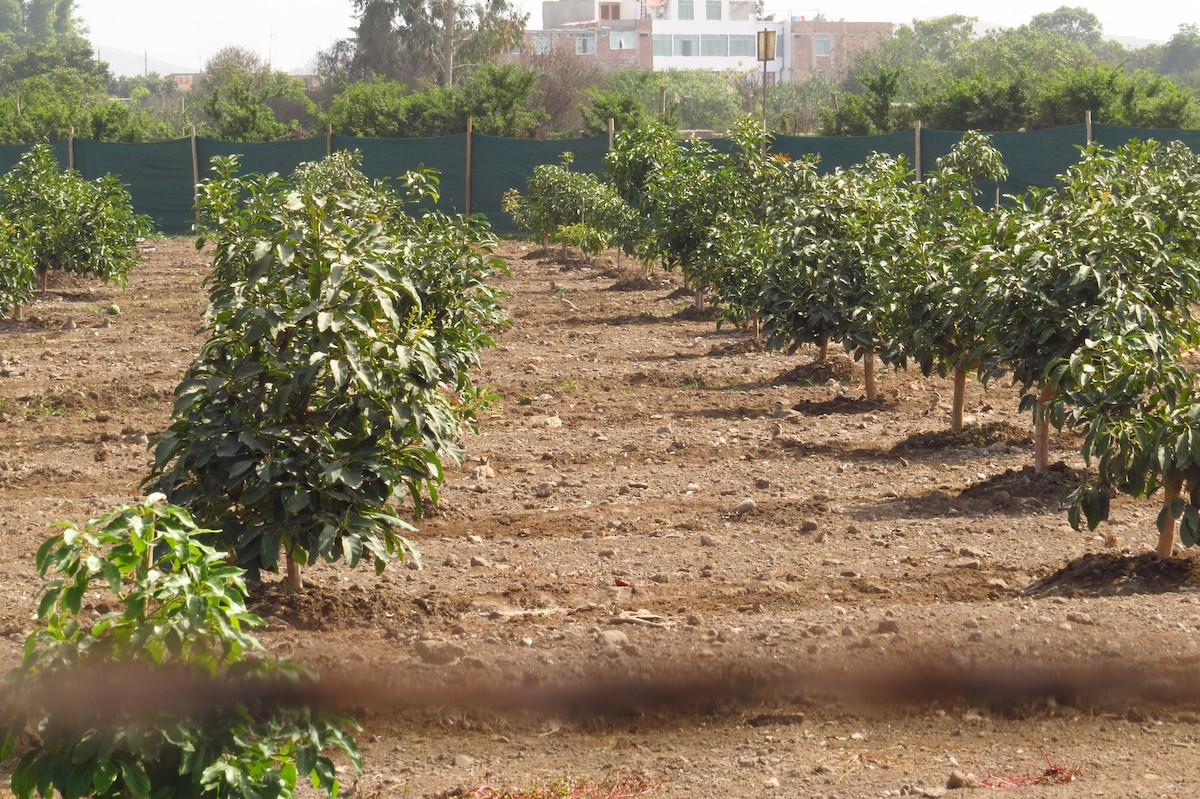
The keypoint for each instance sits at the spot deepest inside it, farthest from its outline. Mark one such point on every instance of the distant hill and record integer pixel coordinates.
(126, 63)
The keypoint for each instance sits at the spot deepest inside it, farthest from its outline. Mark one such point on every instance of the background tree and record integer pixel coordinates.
(601, 105)
(241, 93)
(336, 376)
(422, 41)
(62, 222)
(563, 81)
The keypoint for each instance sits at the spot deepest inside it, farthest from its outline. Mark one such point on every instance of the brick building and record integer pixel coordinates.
(718, 35)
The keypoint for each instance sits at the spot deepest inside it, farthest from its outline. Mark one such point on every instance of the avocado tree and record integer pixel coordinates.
(570, 207)
(335, 377)
(759, 192)
(1126, 383)
(672, 186)
(16, 270)
(177, 611)
(945, 275)
(60, 221)
(1116, 234)
(831, 273)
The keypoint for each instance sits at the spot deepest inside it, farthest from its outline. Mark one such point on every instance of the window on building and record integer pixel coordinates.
(622, 40)
(712, 9)
(823, 45)
(714, 45)
(610, 11)
(541, 44)
(686, 10)
(740, 10)
(687, 45)
(742, 45)
(662, 44)
(585, 43)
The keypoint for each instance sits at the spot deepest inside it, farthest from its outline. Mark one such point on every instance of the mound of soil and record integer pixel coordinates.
(1111, 574)
(985, 435)
(837, 367)
(740, 347)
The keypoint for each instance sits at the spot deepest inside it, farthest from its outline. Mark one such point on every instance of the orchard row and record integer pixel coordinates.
(1081, 293)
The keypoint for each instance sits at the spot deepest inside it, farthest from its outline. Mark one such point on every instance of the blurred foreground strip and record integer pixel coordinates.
(93, 696)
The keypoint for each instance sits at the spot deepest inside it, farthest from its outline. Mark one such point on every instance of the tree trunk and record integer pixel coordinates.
(295, 583)
(1166, 536)
(448, 43)
(754, 324)
(960, 389)
(823, 352)
(699, 299)
(45, 276)
(869, 375)
(1041, 432)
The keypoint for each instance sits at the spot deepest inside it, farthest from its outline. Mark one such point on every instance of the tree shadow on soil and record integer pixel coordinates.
(1014, 492)
(1112, 574)
(976, 436)
(350, 608)
(838, 367)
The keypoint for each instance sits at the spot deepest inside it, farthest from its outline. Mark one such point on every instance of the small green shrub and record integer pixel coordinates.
(174, 603)
(58, 220)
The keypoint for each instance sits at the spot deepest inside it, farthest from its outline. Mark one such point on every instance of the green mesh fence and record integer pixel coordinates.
(836, 152)
(384, 159)
(1033, 158)
(500, 164)
(10, 154)
(261, 157)
(1114, 136)
(160, 175)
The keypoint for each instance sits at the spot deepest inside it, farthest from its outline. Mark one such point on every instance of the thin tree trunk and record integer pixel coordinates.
(295, 583)
(448, 19)
(960, 389)
(699, 299)
(45, 276)
(1166, 536)
(755, 325)
(869, 375)
(1041, 432)
(823, 352)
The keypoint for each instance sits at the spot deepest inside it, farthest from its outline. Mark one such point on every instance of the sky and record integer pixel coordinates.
(290, 32)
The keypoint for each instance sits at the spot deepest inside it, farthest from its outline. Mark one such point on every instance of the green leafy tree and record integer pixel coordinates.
(830, 277)
(671, 185)
(501, 100)
(378, 108)
(422, 41)
(336, 374)
(625, 110)
(1140, 99)
(944, 277)
(795, 108)
(16, 269)
(1111, 242)
(1074, 23)
(176, 604)
(568, 206)
(239, 92)
(62, 222)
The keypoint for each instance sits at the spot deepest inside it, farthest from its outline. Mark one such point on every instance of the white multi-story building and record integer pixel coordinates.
(718, 35)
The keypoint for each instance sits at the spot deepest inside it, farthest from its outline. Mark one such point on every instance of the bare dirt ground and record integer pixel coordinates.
(632, 508)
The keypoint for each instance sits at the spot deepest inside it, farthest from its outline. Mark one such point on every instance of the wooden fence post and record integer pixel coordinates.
(328, 139)
(917, 153)
(71, 148)
(470, 127)
(1087, 126)
(195, 171)
(612, 132)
